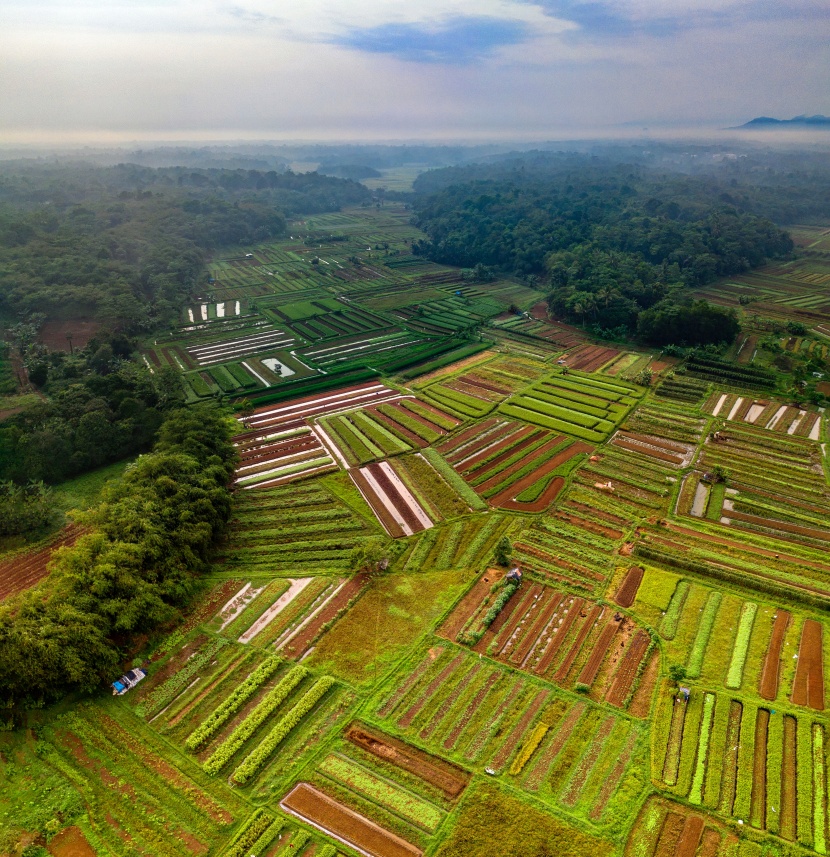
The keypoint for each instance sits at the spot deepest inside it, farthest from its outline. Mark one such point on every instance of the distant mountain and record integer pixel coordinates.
(765, 122)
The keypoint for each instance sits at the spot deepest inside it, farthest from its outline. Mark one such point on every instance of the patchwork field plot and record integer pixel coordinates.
(393, 503)
(764, 413)
(513, 466)
(564, 638)
(668, 829)
(738, 759)
(575, 403)
(297, 527)
(478, 712)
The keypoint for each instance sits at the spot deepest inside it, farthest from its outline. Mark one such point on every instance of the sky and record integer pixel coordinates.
(79, 71)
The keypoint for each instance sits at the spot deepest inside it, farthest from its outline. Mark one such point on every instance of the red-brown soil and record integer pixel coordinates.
(544, 500)
(784, 526)
(480, 442)
(768, 686)
(628, 588)
(516, 606)
(464, 609)
(660, 455)
(300, 644)
(437, 716)
(588, 525)
(53, 333)
(345, 824)
(444, 775)
(587, 627)
(505, 631)
(598, 653)
(447, 446)
(506, 472)
(472, 707)
(640, 705)
(389, 523)
(506, 496)
(389, 706)
(391, 491)
(70, 842)
(710, 847)
(560, 634)
(729, 780)
(690, 837)
(503, 450)
(532, 636)
(759, 769)
(417, 418)
(589, 358)
(788, 779)
(611, 782)
(670, 834)
(24, 570)
(627, 670)
(808, 686)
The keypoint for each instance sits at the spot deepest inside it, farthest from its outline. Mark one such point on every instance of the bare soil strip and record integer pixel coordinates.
(628, 589)
(758, 811)
(296, 586)
(808, 686)
(690, 837)
(391, 499)
(25, 570)
(627, 670)
(768, 686)
(558, 636)
(465, 608)
(451, 779)
(788, 779)
(670, 834)
(447, 446)
(533, 636)
(344, 824)
(589, 672)
(381, 513)
(567, 663)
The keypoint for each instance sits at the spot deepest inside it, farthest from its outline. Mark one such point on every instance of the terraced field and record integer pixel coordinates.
(468, 579)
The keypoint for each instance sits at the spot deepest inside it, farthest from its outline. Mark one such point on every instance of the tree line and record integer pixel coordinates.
(615, 251)
(150, 538)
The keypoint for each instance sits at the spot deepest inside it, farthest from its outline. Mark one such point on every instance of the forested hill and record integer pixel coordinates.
(610, 240)
(128, 243)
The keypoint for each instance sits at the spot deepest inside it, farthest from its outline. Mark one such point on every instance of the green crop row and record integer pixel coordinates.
(704, 629)
(230, 746)
(223, 378)
(165, 693)
(231, 704)
(358, 778)
(254, 761)
(254, 828)
(741, 646)
(240, 375)
(668, 627)
(441, 420)
(418, 429)
(696, 791)
(454, 480)
(556, 425)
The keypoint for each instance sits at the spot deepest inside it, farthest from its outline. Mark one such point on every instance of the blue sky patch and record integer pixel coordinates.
(458, 41)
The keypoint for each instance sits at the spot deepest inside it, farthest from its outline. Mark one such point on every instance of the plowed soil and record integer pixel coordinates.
(443, 775)
(768, 687)
(25, 570)
(759, 771)
(301, 643)
(464, 609)
(627, 670)
(71, 842)
(389, 523)
(628, 589)
(598, 653)
(808, 686)
(344, 824)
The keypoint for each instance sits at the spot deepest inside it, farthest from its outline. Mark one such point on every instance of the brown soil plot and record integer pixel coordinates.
(808, 686)
(627, 670)
(25, 570)
(345, 825)
(628, 589)
(758, 811)
(437, 772)
(768, 686)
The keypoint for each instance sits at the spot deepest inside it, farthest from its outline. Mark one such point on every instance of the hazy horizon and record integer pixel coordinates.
(382, 70)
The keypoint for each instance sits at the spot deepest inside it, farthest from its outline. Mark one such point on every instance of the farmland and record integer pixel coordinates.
(360, 676)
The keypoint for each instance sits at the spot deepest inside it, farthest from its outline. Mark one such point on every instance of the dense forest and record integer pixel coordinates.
(611, 241)
(127, 243)
(135, 569)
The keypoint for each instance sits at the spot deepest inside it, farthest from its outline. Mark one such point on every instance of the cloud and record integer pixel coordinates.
(252, 16)
(457, 41)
